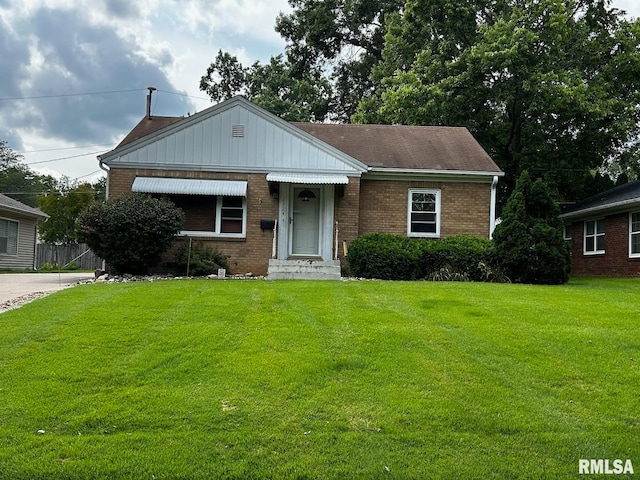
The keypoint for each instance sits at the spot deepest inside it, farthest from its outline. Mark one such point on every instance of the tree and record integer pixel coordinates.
(17, 180)
(549, 86)
(306, 97)
(344, 38)
(529, 244)
(132, 232)
(63, 205)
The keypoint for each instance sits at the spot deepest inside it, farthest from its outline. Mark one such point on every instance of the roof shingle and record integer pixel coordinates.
(406, 147)
(14, 205)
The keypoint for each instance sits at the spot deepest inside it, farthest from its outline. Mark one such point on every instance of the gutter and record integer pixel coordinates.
(610, 208)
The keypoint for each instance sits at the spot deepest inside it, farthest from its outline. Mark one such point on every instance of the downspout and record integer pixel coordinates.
(103, 167)
(492, 214)
(106, 197)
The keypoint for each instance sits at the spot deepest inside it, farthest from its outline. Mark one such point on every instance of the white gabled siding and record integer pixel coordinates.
(205, 142)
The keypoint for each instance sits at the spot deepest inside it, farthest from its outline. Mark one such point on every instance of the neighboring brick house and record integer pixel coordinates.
(18, 234)
(604, 231)
(283, 197)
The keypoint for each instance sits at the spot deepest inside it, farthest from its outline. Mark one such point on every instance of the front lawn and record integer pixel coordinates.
(371, 380)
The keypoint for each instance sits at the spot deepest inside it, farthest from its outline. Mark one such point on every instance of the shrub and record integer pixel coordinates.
(394, 257)
(385, 256)
(528, 244)
(130, 233)
(461, 253)
(201, 260)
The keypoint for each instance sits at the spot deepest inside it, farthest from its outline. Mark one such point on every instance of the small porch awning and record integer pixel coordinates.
(189, 186)
(308, 178)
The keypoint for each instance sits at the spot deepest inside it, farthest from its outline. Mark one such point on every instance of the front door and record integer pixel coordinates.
(305, 234)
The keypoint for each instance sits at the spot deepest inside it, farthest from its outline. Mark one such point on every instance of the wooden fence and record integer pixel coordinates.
(63, 254)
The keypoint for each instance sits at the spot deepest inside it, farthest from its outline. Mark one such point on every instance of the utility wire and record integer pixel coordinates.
(60, 95)
(65, 158)
(66, 148)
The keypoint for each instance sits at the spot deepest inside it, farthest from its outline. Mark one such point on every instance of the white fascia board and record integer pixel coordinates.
(608, 209)
(435, 175)
(227, 169)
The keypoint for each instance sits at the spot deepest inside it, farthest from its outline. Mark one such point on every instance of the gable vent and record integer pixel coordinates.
(237, 130)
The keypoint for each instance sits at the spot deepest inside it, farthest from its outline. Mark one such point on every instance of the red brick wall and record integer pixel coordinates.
(464, 207)
(246, 255)
(615, 262)
(347, 213)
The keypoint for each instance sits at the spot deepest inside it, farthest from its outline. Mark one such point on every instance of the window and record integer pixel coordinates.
(8, 237)
(208, 215)
(567, 232)
(594, 237)
(424, 213)
(634, 234)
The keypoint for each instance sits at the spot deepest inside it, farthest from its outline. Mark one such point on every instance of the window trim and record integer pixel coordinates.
(17, 223)
(567, 232)
(218, 223)
(595, 237)
(632, 233)
(430, 191)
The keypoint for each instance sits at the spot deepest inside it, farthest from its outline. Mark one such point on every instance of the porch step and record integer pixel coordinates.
(304, 269)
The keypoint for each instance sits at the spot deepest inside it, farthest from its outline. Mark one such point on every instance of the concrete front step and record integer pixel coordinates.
(303, 269)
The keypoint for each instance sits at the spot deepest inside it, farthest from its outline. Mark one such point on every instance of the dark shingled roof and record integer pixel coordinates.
(9, 203)
(380, 146)
(406, 147)
(147, 126)
(625, 193)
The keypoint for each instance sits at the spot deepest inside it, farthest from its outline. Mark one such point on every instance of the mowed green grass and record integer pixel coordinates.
(370, 380)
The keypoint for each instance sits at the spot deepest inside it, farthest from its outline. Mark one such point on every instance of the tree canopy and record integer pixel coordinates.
(548, 86)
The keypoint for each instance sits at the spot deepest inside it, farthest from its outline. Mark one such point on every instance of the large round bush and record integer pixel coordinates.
(131, 232)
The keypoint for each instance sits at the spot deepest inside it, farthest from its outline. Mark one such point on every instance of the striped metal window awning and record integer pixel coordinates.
(189, 186)
(308, 178)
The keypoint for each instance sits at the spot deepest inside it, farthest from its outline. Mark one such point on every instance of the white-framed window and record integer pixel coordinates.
(8, 237)
(594, 236)
(566, 232)
(423, 216)
(634, 234)
(213, 215)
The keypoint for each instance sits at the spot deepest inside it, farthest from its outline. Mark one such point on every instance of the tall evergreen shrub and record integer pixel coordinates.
(528, 244)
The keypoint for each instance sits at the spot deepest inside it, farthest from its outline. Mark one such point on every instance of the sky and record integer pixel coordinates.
(74, 73)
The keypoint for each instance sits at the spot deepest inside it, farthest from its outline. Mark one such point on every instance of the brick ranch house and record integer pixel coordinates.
(604, 231)
(284, 199)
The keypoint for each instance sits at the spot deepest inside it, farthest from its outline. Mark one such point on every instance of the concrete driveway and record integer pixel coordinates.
(15, 285)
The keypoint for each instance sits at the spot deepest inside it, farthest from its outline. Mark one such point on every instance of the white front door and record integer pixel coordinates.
(305, 232)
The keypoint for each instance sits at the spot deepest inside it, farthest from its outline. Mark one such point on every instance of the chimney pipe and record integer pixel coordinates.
(151, 90)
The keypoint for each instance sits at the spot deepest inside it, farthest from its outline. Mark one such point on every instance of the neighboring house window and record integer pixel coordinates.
(634, 234)
(213, 215)
(424, 213)
(594, 236)
(567, 232)
(8, 237)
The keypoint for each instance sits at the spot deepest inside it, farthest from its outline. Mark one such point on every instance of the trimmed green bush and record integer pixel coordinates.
(394, 257)
(132, 232)
(385, 256)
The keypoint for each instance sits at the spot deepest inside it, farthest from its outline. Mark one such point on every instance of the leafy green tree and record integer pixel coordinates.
(549, 86)
(18, 181)
(528, 244)
(63, 205)
(131, 232)
(344, 38)
(306, 97)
